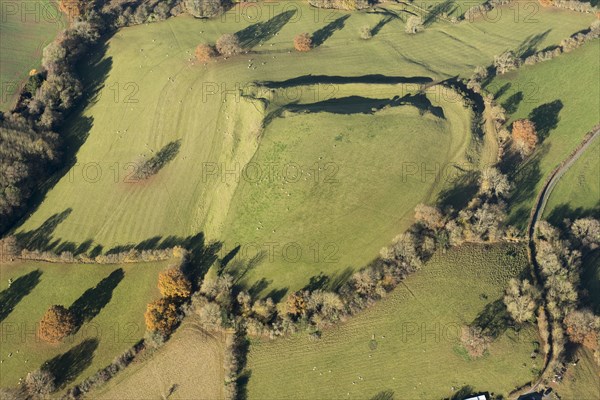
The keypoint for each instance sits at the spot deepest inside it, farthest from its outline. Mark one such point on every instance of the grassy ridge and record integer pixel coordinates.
(407, 343)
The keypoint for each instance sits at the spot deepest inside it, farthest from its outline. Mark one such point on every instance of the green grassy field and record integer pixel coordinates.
(113, 299)
(563, 117)
(145, 94)
(408, 342)
(578, 192)
(25, 29)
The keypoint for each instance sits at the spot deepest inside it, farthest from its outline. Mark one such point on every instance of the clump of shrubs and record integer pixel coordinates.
(205, 52)
(228, 45)
(365, 32)
(474, 341)
(303, 42)
(414, 24)
(342, 4)
(57, 323)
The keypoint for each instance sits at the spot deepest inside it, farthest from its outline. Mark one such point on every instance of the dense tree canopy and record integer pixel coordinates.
(23, 152)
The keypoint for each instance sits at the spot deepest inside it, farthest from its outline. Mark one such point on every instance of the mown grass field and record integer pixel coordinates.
(407, 343)
(113, 299)
(145, 94)
(552, 95)
(577, 194)
(189, 366)
(26, 28)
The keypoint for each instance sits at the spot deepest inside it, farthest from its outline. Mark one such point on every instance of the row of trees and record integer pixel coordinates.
(559, 257)
(24, 156)
(343, 4)
(510, 60)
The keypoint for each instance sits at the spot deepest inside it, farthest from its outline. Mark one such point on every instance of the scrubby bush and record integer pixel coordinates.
(40, 383)
(493, 183)
(586, 231)
(228, 45)
(366, 32)
(506, 62)
(56, 324)
(474, 341)
(205, 52)
(414, 24)
(303, 42)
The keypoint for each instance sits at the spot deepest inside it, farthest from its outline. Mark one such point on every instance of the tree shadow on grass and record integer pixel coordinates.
(493, 319)
(462, 393)
(512, 103)
(545, 118)
(67, 367)
(458, 195)
(530, 44)
(261, 32)
(384, 395)
(317, 282)
(239, 268)
(445, 7)
(339, 279)
(365, 105)
(93, 300)
(382, 22)
(41, 238)
(21, 287)
(525, 180)
(565, 211)
(320, 36)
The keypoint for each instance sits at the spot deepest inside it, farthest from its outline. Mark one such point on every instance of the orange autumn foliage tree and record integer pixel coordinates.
(161, 316)
(524, 136)
(56, 324)
(173, 283)
(303, 42)
(205, 52)
(72, 8)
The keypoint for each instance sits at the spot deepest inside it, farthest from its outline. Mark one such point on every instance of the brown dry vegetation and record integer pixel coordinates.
(190, 365)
